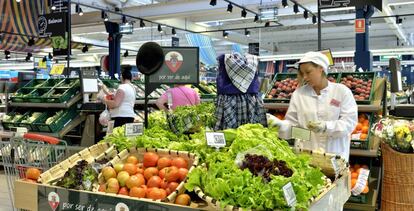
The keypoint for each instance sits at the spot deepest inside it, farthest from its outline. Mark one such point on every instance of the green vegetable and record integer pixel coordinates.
(192, 118)
(118, 138)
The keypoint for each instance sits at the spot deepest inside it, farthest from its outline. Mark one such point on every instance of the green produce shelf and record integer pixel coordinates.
(62, 120)
(111, 83)
(37, 95)
(68, 83)
(61, 95)
(31, 126)
(34, 83)
(365, 76)
(21, 95)
(7, 125)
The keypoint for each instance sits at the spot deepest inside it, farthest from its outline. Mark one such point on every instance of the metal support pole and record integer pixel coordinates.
(319, 27)
(363, 56)
(69, 25)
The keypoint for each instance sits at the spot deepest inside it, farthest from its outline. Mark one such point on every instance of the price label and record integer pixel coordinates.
(289, 194)
(134, 129)
(110, 127)
(356, 136)
(57, 69)
(215, 139)
(301, 133)
(361, 182)
(335, 166)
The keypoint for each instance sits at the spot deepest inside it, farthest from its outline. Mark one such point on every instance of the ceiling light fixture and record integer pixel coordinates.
(142, 23)
(159, 28)
(173, 32)
(314, 21)
(267, 24)
(256, 18)
(50, 56)
(296, 8)
(306, 15)
(7, 53)
(213, 2)
(104, 16)
(398, 20)
(230, 8)
(31, 42)
(78, 10)
(53, 7)
(28, 57)
(124, 20)
(44, 59)
(225, 34)
(244, 13)
(126, 54)
(17, 1)
(285, 4)
(85, 49)
(247, 33)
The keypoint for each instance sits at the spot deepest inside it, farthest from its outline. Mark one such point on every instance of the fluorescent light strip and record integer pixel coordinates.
(400, 3)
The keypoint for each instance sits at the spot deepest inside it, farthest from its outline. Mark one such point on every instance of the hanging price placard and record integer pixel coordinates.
(215, 139)
(134, 129)
(289, 194)
(361, 182)
(335, 166)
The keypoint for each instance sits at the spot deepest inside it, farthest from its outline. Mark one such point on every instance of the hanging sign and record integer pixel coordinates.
(57, 69)
(360, 26)
(54, 26)
(175, 41)
(324, 4)
(134, 129)
(215, 139)
(254, 48)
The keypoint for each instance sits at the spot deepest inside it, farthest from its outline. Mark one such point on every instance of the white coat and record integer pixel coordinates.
(335, 105)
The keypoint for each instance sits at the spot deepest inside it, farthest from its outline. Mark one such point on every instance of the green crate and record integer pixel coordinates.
(34, 83)
(69, 83)
(8, 125)
(367, 76)
(278, 78)
(18, 95)
(57, 125)
(30, 126)
(60, 95)
(359, 144)
(362, 199)
(50, 83)
(111, 83)
(37, 95)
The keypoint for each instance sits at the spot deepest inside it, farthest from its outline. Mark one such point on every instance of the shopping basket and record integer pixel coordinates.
(31, 150)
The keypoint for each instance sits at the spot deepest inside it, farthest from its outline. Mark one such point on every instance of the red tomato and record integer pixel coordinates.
(179, 162)
(157, 193)
(172, 186)
(132, 159)
(164, 184)
(183, 173)
(163, 162)
(183, 199)
(150, 159)
(172, 175)
(137, 192)
(154, 181)
(123, 191)
(149, 172)
(162, 172)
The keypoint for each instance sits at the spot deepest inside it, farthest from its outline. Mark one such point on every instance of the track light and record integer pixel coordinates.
(230, 8)
(78, 10)
(31, 42)
(247, 33)
(17, 1)
(369, 24)
(141, 23)
(159, 28)
(314, 20)
(53, 7)
(173, 32)
(126, 54)
(267, 24)
(398, 20)
(296, 8)
(7, 54)
(44, 59)
(28, 57)
(213, 2)
(85, 49)
(306, 15)
(104, 16)
(225, 34)
(256, 18)
(244, 13)
(50, 56)
(285, 4)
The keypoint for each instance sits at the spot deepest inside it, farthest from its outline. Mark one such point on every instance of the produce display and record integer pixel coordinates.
(192, 118)
(208, 88)
(29, 119)
(355, 170)
(12, 117)
(54, 118)
(362, 128)
(359, 85)
(82, 176)
(283, 89)
(31, 175)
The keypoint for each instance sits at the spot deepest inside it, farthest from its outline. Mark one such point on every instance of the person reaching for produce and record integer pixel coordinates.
(122, 104)
(179, 95)
(238, 99)
(327, 109)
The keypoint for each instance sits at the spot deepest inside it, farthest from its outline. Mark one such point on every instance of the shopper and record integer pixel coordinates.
(179, 95)
(327, 109)
(122, 104)
(238, 100)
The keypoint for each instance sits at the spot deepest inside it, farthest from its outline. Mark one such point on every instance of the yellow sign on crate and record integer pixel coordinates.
(57, 69)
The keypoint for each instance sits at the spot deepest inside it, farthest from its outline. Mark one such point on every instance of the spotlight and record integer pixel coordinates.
(104, 16)
(173, 32)
(398, 20)
(306, 15)
(53, 7)
(78, 10)
(141, 23)
(85, 49)
(296, 8)
(247, 33)
(285, 4)
(314, 21)
(50, 56)
(124, 20)
(44, 59)
(267, 24)
(126, 54)
(244, 13)
(159, 28)
(17, 1)
(256, 18)
(213, 2)
(31, 42)
(225, 34)
(230, 8)
(7, 53)
(28, 57)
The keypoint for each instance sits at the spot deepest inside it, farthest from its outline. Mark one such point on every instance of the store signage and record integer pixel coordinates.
(328, 53)
(360, 26)
(175, 41)
(289, 194)
(61, 5)
(215, 139)
(59, 199)
(327, 4)
(134, 129)
(301, 134)
(54, 26)
(57, 69)
(254, 48)
(361, 182)
(181, 66)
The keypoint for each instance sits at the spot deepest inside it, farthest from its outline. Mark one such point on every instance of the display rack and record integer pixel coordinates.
(67, 104)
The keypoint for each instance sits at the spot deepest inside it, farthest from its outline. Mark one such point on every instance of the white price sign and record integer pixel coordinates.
(289, 194)
(301, 134)
(110, 127)
(215, 139)
(335, 166)
(361, 182)
(134, 129)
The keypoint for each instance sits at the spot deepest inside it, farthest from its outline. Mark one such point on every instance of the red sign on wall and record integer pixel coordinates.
(359, 26)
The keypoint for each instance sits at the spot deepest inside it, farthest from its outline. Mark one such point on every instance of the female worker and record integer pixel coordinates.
(327, 109)
(179, 95)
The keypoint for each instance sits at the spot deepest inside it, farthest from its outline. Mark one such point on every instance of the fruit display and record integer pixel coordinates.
(355, 171)
(331, 79)
(359, 84)
(283, 89)
(32, 175)
(361, 130)
(54, 117)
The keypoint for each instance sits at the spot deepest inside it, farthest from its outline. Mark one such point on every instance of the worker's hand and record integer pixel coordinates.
(273, 121)
(317, 126)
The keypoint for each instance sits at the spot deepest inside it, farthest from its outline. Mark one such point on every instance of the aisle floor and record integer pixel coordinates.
(5, 203)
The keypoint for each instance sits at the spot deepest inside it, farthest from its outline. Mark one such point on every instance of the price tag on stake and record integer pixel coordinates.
(110, 127)
(289, 194)
(301, 133)
(134, 129)
(215, 139)
(335, 166)
(361, 182)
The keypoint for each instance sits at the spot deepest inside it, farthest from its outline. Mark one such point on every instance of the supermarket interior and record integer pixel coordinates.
(175, 105)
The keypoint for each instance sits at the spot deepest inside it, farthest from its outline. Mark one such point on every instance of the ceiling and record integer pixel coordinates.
(289, 33)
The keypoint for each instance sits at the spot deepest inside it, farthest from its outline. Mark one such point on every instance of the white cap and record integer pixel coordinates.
(317, 58)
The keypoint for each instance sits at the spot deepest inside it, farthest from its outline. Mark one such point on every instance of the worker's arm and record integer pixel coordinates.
(161, 101)
(118, 98)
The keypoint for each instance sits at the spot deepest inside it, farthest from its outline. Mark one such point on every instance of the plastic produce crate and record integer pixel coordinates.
(60, 95)
(69, 83)
(31, 126)
(21, 95)
(362, 199)
(34, 83)
(50, 83)
(276, 92)
(362, 144)
(8, 124)
(361, 80)
(37, 95)
(61, 121)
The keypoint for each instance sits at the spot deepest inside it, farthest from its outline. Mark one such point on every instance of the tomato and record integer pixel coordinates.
(168, 191)
(183, 173)
(162, 172)
(172, 186)
(102, 187)
(137, 192)
(132, 159)
(130, 168)
(157, 193)
(154, 181)
(150, 159)
(32, 173)
(179, 162)
(135, 181)
(172, 175)
(149, 172)
(163, 162)
(164, 184)
(183, 199)
(123, 191)
(140, 171)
